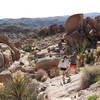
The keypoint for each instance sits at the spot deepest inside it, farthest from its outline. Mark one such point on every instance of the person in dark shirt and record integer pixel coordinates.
(60, 44)
(73, 60)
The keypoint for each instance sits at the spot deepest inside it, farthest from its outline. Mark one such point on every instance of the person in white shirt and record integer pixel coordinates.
(64, 65)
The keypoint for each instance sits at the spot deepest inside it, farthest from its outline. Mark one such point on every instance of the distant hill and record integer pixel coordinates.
(40, 21)
(35, 21)
(92, 14)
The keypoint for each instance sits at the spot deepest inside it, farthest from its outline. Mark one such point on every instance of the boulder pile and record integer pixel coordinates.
(79, 28)
(8, 52)
(52, 29)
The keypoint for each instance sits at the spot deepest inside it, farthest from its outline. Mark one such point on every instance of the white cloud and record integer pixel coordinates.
(44, 8)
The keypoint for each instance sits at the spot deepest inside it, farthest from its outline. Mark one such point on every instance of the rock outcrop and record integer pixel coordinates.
(78, 28)
(9, 53)
(5, 75)
(73, 23)
(52, 29)
(49, 65)
(46, 63)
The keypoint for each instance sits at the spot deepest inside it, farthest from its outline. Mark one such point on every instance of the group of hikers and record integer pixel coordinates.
(70, 62)
(66, 65)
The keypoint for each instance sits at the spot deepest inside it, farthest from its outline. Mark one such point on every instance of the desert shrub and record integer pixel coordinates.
(98, 52)
(41, 75)
(81, 47)
(18, 88)
(54, 72)
(27, 49)
(93, 97)
(98, 56)
(89, 57)
(90, 76)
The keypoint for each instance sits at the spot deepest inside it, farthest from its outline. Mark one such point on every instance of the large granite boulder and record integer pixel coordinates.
(1, 60)
(5, 55)
(73, 23)
(47, 63)
(6, 40)
(79, 28)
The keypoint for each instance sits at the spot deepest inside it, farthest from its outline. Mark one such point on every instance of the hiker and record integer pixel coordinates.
(62, 51)
(64, 66)
(60, 45)
(73, 60)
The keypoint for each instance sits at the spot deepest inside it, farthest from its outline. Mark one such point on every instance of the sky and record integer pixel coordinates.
(46, 8)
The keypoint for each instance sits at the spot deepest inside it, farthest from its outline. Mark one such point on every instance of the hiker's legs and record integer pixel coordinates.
(68, 75)
(76, 69)
(63, 77)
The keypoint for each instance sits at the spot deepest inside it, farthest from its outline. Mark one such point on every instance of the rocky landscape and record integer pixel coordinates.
(38, 55)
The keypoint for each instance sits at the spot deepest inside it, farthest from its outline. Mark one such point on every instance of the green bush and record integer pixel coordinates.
(93, 97)
(90, 75)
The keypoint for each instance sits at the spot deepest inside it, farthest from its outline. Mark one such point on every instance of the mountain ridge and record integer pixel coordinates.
(41, 21)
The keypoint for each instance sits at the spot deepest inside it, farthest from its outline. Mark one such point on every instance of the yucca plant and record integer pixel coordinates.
(80, 49)
(81, 46)
(18, 88)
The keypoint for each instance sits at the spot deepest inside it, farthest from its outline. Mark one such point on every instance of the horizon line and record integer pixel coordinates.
(49, 16)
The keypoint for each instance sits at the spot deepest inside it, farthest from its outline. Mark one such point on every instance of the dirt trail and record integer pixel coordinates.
(58, 91)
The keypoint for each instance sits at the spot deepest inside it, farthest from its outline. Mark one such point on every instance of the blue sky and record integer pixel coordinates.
(46, 8)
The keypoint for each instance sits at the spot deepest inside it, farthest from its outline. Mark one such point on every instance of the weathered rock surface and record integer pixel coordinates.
(5, 55)
(47, 63)
(71, 91)
(52, 29)
(5, 39)
(5, 75)
(55, 89)
(9, 53)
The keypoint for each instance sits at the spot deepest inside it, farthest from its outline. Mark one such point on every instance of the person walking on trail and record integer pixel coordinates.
(73, 60)
(64, 66)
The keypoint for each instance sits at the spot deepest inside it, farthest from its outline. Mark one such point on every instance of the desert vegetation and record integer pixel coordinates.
(90, 75)
(93, 97)
(19, 88)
